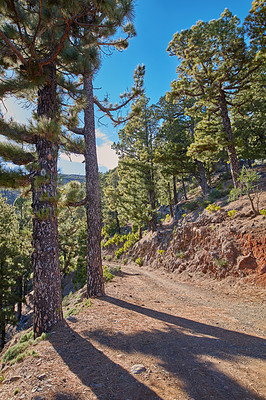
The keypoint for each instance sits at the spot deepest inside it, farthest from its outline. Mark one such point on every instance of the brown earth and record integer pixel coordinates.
(199, 341)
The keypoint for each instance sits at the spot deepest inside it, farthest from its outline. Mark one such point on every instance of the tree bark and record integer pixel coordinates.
(202, 177)
(95, 283)
(230, 147)
(184, 187)
(174, 190)
(47, 297)
(170, 201)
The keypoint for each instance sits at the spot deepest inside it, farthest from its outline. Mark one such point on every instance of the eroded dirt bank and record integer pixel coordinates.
(196, 342)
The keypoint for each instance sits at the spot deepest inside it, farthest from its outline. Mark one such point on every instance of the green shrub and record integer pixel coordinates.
(160, 251)
(212, 208)
(139, 261)
(220, 263)
(191, 205)
(107, 274)
(263, 211)
(231, 213)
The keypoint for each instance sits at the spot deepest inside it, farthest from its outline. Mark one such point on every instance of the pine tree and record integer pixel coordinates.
(136, 170)
(216, 66)
(38, 42)
(12, 255)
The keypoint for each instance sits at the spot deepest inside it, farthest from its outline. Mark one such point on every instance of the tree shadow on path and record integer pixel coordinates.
(189, 351)
(108, 380)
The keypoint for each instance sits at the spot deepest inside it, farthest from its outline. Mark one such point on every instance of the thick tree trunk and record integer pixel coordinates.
(153, 221)
(95, 283)
(2, 323)
(174, 190)
(230, 147)
(202, 177)
(45, 258)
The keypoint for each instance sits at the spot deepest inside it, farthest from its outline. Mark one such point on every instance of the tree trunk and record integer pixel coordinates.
(140, 232)
(202, 177)
(47, 297)
(117, 223)
(184, 188)
(170, 201)
(230, 147)
(174, 190)
(20, 295)
(2, 323)
(95, 283)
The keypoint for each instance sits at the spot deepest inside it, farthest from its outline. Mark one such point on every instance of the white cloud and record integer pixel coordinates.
(13, 108)
(107, 157)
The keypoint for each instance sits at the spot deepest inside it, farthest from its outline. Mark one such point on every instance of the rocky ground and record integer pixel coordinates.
(151, 337)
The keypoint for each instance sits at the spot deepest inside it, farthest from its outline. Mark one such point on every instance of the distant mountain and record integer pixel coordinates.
(11, 194)
(65, 178)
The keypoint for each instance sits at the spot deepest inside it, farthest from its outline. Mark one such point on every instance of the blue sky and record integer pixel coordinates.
(156, 21)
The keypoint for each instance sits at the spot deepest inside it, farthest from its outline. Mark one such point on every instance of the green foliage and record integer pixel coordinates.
(191, 205)
(161, 252)
(108, 276)
(263, 211)
(139, 261)
(220, 263)
(232, 213)
(212, 208)
(248, 185)
(18, 352)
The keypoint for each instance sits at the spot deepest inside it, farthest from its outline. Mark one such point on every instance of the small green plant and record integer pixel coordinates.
(179, 254)
(16, 391)
(263, 211)
(184, 215)
(167, 218)
(161, 251)
(2, 377)
(232, 213)
(108, 257)
(247, 185)
(220, 263)
(212, 208)
(67, 299)
(139, 261)
(19, 351)
(108, 276)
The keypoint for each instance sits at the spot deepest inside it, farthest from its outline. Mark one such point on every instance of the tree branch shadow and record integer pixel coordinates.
(107, 379)
(188, 352)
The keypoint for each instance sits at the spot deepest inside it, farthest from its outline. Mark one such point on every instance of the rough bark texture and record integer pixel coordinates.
(45, 258)
(230, 147)
(95, 284)
(170, 201)
(202, 177)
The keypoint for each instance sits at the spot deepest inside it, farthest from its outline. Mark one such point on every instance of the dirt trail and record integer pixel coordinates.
(196, 342)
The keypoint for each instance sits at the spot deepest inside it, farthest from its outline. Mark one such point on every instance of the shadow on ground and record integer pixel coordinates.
(108, 380)
(185, 344)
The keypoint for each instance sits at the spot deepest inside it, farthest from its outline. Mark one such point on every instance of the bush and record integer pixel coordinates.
(108, 276)
(191, 205)
(139, 261)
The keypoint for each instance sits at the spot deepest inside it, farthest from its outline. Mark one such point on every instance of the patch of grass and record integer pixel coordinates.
(19, 351)
(2, 377)
(108, 257)
(67, 299)
(263, 212)
(212, 208)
